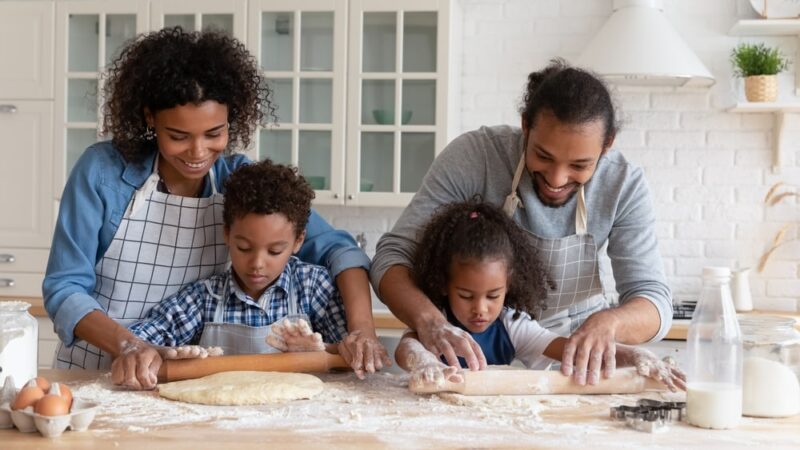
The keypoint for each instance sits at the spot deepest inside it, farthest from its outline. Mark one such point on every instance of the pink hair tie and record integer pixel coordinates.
(473, 215)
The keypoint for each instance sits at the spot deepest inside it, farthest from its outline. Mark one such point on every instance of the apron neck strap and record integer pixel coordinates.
(580, 214)
(512, 200)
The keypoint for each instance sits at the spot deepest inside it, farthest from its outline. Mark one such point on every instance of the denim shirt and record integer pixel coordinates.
(95, 198)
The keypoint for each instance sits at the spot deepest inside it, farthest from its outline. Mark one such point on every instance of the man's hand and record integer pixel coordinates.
(363, 352)
(297, 336)
(592, 347)
(442, 338)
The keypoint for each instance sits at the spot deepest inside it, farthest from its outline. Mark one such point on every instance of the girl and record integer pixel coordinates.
(141, 215)
(474, 263)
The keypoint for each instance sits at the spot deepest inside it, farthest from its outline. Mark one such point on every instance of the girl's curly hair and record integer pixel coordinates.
(173, 67)
(267, 188)
(474, 230)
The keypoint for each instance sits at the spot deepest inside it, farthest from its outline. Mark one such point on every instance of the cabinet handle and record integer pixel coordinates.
(350, 197)
(11, 109)
(6, 258)
(335, 195)
(6, 282)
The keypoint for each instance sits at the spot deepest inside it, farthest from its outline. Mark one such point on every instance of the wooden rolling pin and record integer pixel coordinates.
(184, 369)
(532, 382)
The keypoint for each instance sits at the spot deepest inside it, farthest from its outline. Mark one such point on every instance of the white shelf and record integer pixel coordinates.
(779, 110)
(766, 27)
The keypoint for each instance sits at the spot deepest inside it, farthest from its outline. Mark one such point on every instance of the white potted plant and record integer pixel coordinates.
(759, 66)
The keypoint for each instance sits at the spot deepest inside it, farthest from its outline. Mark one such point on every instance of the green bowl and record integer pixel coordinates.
(316, 182)
(385, 117)
(366, 186)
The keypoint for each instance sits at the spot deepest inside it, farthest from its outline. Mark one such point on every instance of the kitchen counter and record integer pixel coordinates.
(379, 413)
(385, 319)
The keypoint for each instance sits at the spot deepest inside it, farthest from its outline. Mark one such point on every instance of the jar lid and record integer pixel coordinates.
(13, 306)
(764, 329)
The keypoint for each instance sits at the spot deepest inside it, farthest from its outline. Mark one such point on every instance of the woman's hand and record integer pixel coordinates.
(364, 353)
(136, 366)
(648, 365)
(297, 336)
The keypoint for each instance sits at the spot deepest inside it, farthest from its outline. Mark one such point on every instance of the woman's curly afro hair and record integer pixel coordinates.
(172, 67)
(268, 188)
(478, 231)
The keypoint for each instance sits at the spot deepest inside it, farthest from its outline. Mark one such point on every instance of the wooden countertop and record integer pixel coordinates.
(385, 319)
(382, 414)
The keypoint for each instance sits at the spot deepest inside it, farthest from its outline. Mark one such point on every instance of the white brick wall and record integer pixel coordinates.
(708, 169)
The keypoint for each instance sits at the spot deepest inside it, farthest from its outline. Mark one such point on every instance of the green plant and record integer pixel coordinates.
(757, 59)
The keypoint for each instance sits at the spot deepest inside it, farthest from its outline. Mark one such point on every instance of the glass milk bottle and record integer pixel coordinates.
(714, 351)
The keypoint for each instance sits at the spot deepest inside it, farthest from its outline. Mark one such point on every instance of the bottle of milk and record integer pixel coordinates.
(714, 351)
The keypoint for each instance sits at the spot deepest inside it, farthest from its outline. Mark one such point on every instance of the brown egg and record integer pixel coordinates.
(52, 405)
(28, 396)
(63, 390)
(42, 383)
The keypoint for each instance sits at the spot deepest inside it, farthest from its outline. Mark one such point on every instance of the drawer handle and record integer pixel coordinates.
(6, 282)
(11, 109)
(6, 258)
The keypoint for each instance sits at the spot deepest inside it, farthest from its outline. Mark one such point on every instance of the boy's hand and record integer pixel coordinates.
(188, 352)
(364, 353)
(648, 365)
(297, 336)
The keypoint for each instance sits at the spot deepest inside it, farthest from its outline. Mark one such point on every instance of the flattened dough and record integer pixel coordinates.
(243, 388)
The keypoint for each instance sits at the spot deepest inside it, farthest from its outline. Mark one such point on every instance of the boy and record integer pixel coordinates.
(266, 288)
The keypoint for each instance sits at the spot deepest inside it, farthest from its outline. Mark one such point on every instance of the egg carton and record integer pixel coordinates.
(80, 417)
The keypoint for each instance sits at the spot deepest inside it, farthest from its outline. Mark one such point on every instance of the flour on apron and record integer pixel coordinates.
(163, 243)
(239, 338)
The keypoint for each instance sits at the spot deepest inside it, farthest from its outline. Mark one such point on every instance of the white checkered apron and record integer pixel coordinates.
(573, 265)
(163, 242)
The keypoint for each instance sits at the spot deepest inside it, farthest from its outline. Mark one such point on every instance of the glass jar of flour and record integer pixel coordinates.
(771, 369)
(19, 335)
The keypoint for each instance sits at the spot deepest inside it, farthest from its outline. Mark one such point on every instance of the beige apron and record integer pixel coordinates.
(163, 243)
(573, 266)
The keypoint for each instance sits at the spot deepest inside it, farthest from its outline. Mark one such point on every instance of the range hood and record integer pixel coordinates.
(638, 46)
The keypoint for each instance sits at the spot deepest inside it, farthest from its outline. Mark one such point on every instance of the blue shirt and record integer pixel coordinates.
(179, 319)
(494, 342)
(95, 198)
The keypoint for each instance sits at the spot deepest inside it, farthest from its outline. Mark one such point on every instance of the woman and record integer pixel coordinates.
(558, 178)
(141, 215)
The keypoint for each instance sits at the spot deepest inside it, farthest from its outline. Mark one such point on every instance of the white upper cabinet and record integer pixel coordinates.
(26, 206)
(90, 35)
(301, 49)
(196, 15)
(26, 50)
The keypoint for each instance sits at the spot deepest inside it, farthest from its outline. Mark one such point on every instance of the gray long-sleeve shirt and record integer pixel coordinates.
(620, 211)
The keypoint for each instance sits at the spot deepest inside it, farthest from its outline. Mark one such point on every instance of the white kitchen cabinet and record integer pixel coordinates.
(26, 173)
(26, 50)
(198, 15)
(363, 91)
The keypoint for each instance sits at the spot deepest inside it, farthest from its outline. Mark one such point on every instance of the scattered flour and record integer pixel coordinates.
(382, 406)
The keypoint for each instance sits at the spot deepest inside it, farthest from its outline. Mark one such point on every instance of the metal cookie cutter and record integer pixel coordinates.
(649, 415)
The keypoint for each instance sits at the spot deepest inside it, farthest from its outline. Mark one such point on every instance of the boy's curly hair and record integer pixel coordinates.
(268, 188)
(474, 230)
(172, 67)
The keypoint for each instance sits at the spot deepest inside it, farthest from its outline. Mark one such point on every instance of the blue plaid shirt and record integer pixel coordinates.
(179, 319)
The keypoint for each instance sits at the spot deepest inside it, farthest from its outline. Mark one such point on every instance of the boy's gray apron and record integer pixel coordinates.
(573, 265)
(238, 338)
(163, 242)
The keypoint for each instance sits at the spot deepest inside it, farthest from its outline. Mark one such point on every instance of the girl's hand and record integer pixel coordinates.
(364, 353)
(648, 365)
(435, 374)
(297, 336)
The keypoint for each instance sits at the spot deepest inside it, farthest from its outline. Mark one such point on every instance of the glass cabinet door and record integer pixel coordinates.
(395, 97)
(300, 48)
(90, 35)
(196, 15)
